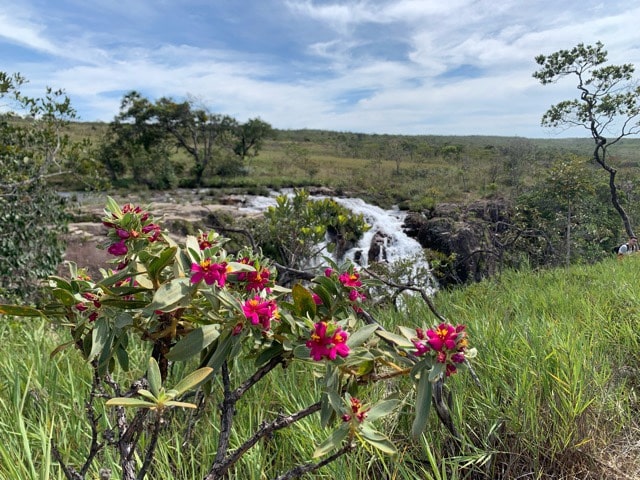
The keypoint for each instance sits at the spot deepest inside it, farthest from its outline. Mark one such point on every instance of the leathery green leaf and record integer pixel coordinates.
(303, 301)
(377, 440)
(19, 311)
(173, 403)
(194, 343)
(100, 336)
(396, 339)
(361, 335)
(129, 402)
(165, 258)
(423, 404)
(193, 379)
(333, 441)
(172, 295)
(381, 409)
(153, 375)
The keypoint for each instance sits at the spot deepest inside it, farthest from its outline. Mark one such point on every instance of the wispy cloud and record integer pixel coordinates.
(399, 66)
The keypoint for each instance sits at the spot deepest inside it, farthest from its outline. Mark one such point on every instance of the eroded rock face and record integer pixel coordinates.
(470, 232)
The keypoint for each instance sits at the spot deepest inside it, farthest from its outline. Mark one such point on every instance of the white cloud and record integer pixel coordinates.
(368, 66)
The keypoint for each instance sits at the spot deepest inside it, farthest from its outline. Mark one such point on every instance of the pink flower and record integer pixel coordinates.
(152, 230)
(444, 336)
(260, 312)
(316, 299)
(122, 233)
(203, 241)
(209, 272)
(350, 279)
(258, 280)
(421, 348)
(448, 343)
(357, 410)
(327, 342)
(118, 249)
(328, 272)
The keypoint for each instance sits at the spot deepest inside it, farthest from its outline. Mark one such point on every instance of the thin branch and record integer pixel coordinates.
(152, 447)
(220, 468)
(226, 415)
(300, 470)
(69, 472)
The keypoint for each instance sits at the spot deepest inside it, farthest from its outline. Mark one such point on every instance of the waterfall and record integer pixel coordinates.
(386, 236)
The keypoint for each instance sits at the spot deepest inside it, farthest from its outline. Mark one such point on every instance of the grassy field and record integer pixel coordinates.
(414, 172)
(558, 361)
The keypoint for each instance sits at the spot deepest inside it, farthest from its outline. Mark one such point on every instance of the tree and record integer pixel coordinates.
(569, 183)
(34, 148)
(205, 136)
(250, 136)
(608, 102)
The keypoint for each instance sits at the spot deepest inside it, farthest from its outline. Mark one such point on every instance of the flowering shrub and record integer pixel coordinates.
(198, 301)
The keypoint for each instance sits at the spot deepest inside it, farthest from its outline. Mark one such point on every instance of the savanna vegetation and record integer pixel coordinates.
(205, 326)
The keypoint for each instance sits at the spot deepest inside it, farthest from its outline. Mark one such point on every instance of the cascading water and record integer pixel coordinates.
(384, 242)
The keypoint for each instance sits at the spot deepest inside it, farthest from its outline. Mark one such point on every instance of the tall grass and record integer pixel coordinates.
(559, 364)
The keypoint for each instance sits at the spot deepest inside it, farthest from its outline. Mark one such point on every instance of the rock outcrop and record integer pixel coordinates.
(469, 235)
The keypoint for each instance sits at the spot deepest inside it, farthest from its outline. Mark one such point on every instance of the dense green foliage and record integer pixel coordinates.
(32, 216)
(293, 232)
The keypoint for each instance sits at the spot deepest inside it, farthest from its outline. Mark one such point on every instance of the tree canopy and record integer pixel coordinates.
(608, 105)
(148, 130)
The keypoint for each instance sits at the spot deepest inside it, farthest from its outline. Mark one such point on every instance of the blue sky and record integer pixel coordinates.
(455, 67)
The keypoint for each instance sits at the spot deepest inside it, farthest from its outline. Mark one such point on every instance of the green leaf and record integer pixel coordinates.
(271, 352)
(192, 380)
(423, 404)
(129, 402)
(194, 342)
(172, 295)
(407, 332)
(154, 377)
(222, 352)
(360, 336)
(147, 394)
(437, 371)
(124, 304)
(158, 263)
(100, 337)
(303, 301)
(113, 207)
(333, 441)
(64, 296)
(335, 401)
(124, 319)
(382, 409)
(396, 339)
(123, 358)
(60, 348)
(174, 403)
(19, 311)
(379, 441)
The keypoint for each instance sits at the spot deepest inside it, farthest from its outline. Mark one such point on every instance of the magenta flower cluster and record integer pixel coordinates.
(446, 342)
(139, 226)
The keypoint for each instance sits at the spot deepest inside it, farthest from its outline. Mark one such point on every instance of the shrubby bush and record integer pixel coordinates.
(32, 216)
(217, 311)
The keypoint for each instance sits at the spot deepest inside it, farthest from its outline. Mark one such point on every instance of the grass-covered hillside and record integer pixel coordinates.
(414, 171)
(558, 361)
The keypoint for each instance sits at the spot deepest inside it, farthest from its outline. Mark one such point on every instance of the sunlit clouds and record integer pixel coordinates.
(400, 66)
